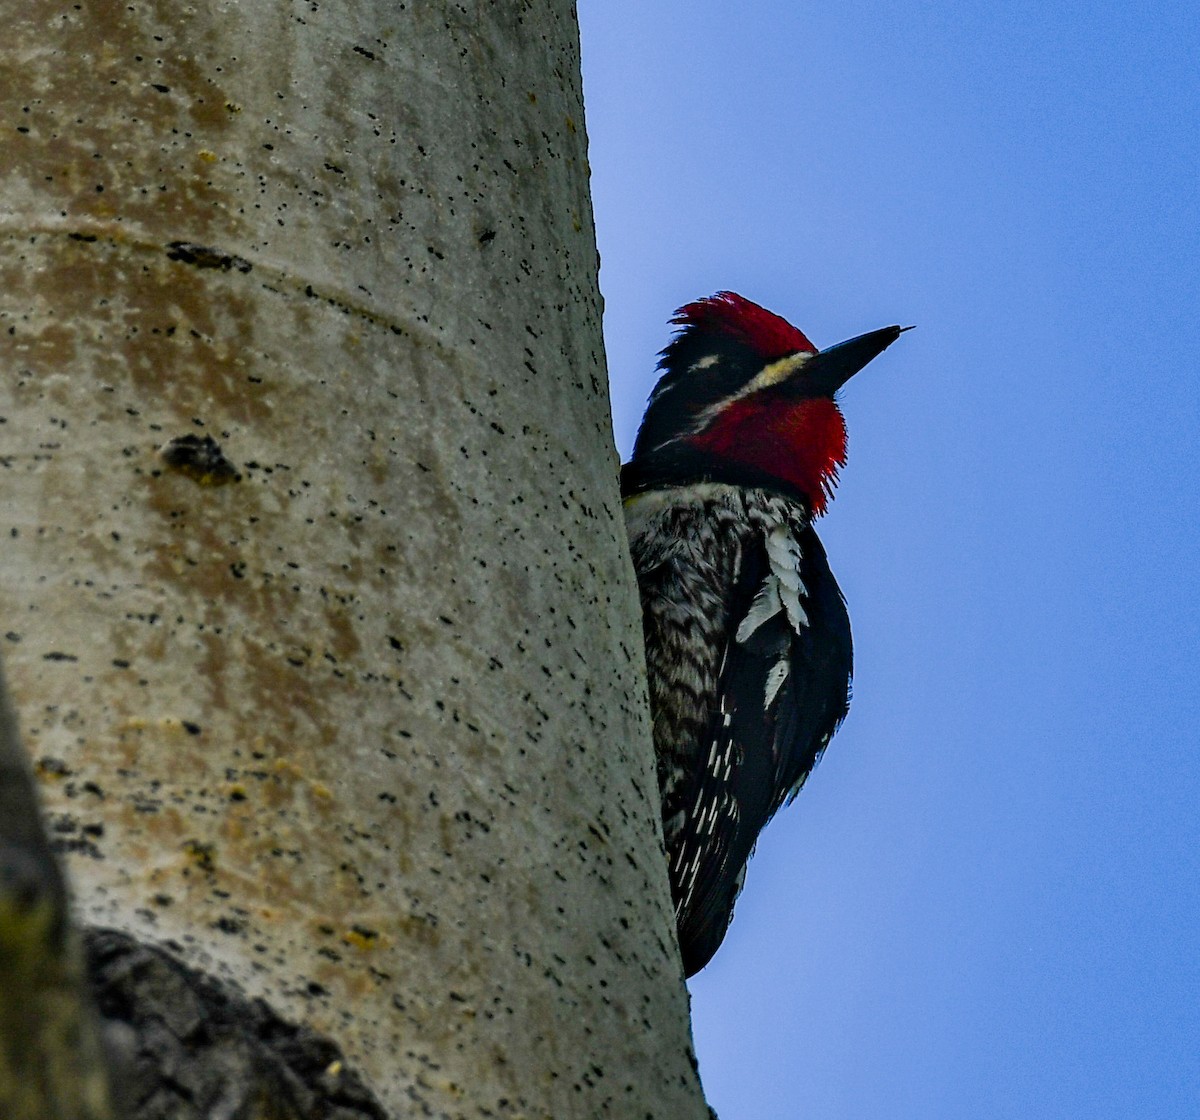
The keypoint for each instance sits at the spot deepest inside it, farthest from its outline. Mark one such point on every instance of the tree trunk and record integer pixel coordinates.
(317, 607)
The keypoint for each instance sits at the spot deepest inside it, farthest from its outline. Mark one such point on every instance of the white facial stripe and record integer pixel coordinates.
(772, 374)
(777, 371)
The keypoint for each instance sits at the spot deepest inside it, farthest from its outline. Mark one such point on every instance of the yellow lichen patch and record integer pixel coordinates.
(362, 938)
(419, 928)
(174, 724)
(210, 478)
(207, 156)
(203, 856)
(285, 768)
(51, 769)
(132, 723)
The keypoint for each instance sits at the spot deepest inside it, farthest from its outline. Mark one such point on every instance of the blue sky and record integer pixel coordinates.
(986, 902)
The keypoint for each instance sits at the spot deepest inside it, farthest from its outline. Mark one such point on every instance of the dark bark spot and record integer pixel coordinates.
(201, 256)
(201, 459)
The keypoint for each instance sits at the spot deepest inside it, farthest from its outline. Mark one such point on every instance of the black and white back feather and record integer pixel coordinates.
(749, 653)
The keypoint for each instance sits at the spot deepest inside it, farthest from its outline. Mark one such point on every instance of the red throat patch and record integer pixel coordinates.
(802, 443)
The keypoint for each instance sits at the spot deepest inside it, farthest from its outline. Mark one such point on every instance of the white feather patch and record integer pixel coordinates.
(766, 605)
(775, 679)
(784, 555)
(781, 590)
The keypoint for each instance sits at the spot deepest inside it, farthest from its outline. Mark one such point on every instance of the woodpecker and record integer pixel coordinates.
(748, 646)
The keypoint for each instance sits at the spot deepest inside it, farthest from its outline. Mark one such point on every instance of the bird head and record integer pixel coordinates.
(744, 394)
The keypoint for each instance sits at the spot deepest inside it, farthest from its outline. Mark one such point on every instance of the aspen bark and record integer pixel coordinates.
(314, 594)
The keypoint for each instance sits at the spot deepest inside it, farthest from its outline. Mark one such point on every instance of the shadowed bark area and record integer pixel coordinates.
(51, 1056)
(188, 1047)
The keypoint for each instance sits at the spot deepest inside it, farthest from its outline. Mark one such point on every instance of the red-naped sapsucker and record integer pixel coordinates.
(747, 637)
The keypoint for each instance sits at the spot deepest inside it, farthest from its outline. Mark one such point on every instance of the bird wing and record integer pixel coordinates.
(783, 689)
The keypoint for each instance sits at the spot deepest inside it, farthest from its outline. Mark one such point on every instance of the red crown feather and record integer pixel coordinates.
(727, 313)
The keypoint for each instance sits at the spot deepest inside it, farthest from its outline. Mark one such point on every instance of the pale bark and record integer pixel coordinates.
(317, 608)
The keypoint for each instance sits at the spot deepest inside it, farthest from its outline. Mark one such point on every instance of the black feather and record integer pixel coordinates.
(772, 748)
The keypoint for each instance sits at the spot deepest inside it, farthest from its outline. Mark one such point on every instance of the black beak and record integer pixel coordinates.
(828, 370)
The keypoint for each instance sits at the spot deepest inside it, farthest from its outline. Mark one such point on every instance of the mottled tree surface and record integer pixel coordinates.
(314, 594)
